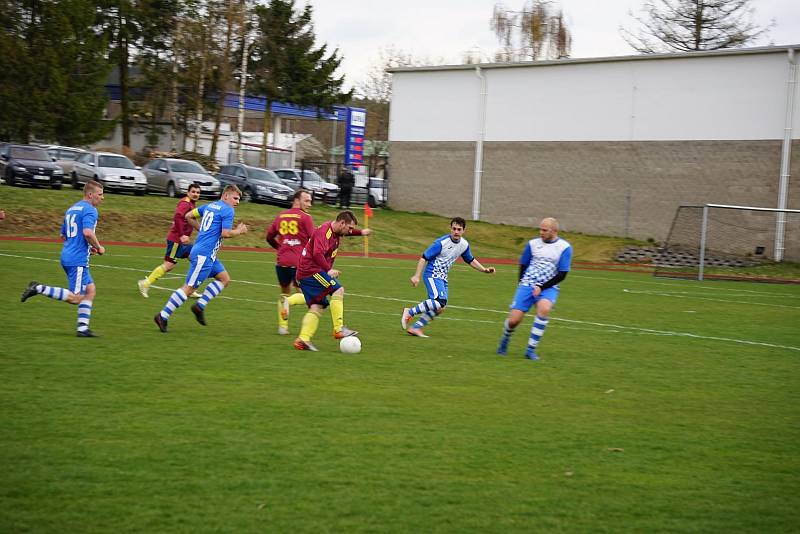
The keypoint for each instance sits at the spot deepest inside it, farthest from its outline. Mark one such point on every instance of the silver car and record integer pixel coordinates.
(174, 176)
(64, 156)
(115, 171)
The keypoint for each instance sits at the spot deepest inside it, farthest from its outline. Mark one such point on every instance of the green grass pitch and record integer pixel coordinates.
(658, 406)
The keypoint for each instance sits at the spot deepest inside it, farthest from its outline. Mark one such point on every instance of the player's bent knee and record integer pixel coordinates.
(442, 302)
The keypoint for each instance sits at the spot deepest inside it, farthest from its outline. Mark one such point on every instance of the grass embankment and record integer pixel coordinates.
(38, 212)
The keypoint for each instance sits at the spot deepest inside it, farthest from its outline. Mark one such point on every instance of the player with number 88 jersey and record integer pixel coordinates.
(288, 234)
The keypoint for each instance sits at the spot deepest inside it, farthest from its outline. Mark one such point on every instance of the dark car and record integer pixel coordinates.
(322, 190)
(32, 165)
(257, 184)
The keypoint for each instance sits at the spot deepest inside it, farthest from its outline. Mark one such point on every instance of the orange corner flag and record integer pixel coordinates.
(367, 210)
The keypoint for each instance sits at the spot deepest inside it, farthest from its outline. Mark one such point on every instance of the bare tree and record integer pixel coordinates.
(689, 25)
(377, 84)
(537, 31)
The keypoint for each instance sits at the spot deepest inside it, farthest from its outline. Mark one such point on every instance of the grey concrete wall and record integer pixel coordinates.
(607, 188)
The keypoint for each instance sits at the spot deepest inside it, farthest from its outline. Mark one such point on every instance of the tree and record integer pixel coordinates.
(52, 71)
(286, 64)
(690, 25)
(132, 27)
(537, 31)
(375, 90)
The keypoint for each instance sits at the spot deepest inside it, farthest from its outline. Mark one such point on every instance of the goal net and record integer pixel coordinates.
(732, 242)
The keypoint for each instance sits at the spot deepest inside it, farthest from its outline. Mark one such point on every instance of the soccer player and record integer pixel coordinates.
(216, 224)
(318, 279)
(544, 263)
(178, 242)
(437, 261)
(288, 234)
(80, 241)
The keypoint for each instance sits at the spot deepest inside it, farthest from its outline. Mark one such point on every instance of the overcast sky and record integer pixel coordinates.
(447, 28)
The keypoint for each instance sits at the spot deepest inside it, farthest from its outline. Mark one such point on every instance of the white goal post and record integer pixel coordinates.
(727, 236)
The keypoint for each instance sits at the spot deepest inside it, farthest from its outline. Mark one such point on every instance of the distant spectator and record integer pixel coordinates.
(346, 183)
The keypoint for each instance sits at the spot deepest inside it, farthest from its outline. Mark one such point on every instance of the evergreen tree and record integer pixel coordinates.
(287, 66)
(52, 70)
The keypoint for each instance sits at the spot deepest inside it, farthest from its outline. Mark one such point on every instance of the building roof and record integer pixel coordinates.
(785, 49)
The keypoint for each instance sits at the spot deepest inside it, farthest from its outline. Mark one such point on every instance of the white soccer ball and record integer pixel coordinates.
(350, 345)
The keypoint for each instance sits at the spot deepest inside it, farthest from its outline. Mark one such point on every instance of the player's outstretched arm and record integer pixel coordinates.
(191, 218)
(91, 238)
(420, 266)
(240, 229)
(475, 264)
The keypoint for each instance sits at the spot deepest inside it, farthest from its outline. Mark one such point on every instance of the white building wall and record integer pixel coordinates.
(727, 97)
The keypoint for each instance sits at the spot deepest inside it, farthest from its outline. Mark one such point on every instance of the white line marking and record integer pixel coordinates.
(694, 297)
(613, 327)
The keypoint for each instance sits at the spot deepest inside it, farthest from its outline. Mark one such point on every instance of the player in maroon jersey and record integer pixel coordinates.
(288, 234)
(178, 243)
(318, 279)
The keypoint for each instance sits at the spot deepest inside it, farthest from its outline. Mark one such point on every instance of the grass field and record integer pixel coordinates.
(658, 406)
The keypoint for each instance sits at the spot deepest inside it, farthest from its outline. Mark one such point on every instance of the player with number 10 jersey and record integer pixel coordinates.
(215, 224)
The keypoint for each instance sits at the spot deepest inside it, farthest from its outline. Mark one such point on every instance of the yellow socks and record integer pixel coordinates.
(157, 273)
(281, 321)
(337, 312)
(296, 298)
(310, 325)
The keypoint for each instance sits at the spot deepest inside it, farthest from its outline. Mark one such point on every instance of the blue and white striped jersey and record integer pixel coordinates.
(443, 253)
(544, 260)
(76, 249)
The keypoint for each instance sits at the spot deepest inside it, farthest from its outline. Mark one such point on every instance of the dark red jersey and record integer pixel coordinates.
(320, 251)
(288, 234)
(180, 226)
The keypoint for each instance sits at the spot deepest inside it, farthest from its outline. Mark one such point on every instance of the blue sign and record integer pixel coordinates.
(355, 131)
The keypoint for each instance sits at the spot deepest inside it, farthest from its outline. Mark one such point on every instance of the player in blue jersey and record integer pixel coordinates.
(544, 263)
(80, 241)
(215, 224)
(437, 261)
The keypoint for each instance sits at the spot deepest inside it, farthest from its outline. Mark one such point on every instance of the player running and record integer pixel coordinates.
(178, 240)
(544, 263)
(318, 279)
(80, 241)
(288, 234)
(216, 223)
(437, 261)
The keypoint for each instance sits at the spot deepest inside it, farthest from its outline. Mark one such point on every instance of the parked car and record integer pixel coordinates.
(322, 190)
(115, 171)
(256, 184)
(375, 194)
(174, 176)
(32, 165)
(64, 156)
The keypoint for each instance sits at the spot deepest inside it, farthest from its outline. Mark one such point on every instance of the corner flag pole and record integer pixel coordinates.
(367, 215)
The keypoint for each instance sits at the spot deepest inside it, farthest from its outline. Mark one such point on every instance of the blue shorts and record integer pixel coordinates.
(202, 267)
(316, 288)
(78, 278)
(176, 251)
(524, 299)
(437, 288)
(285, 275)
